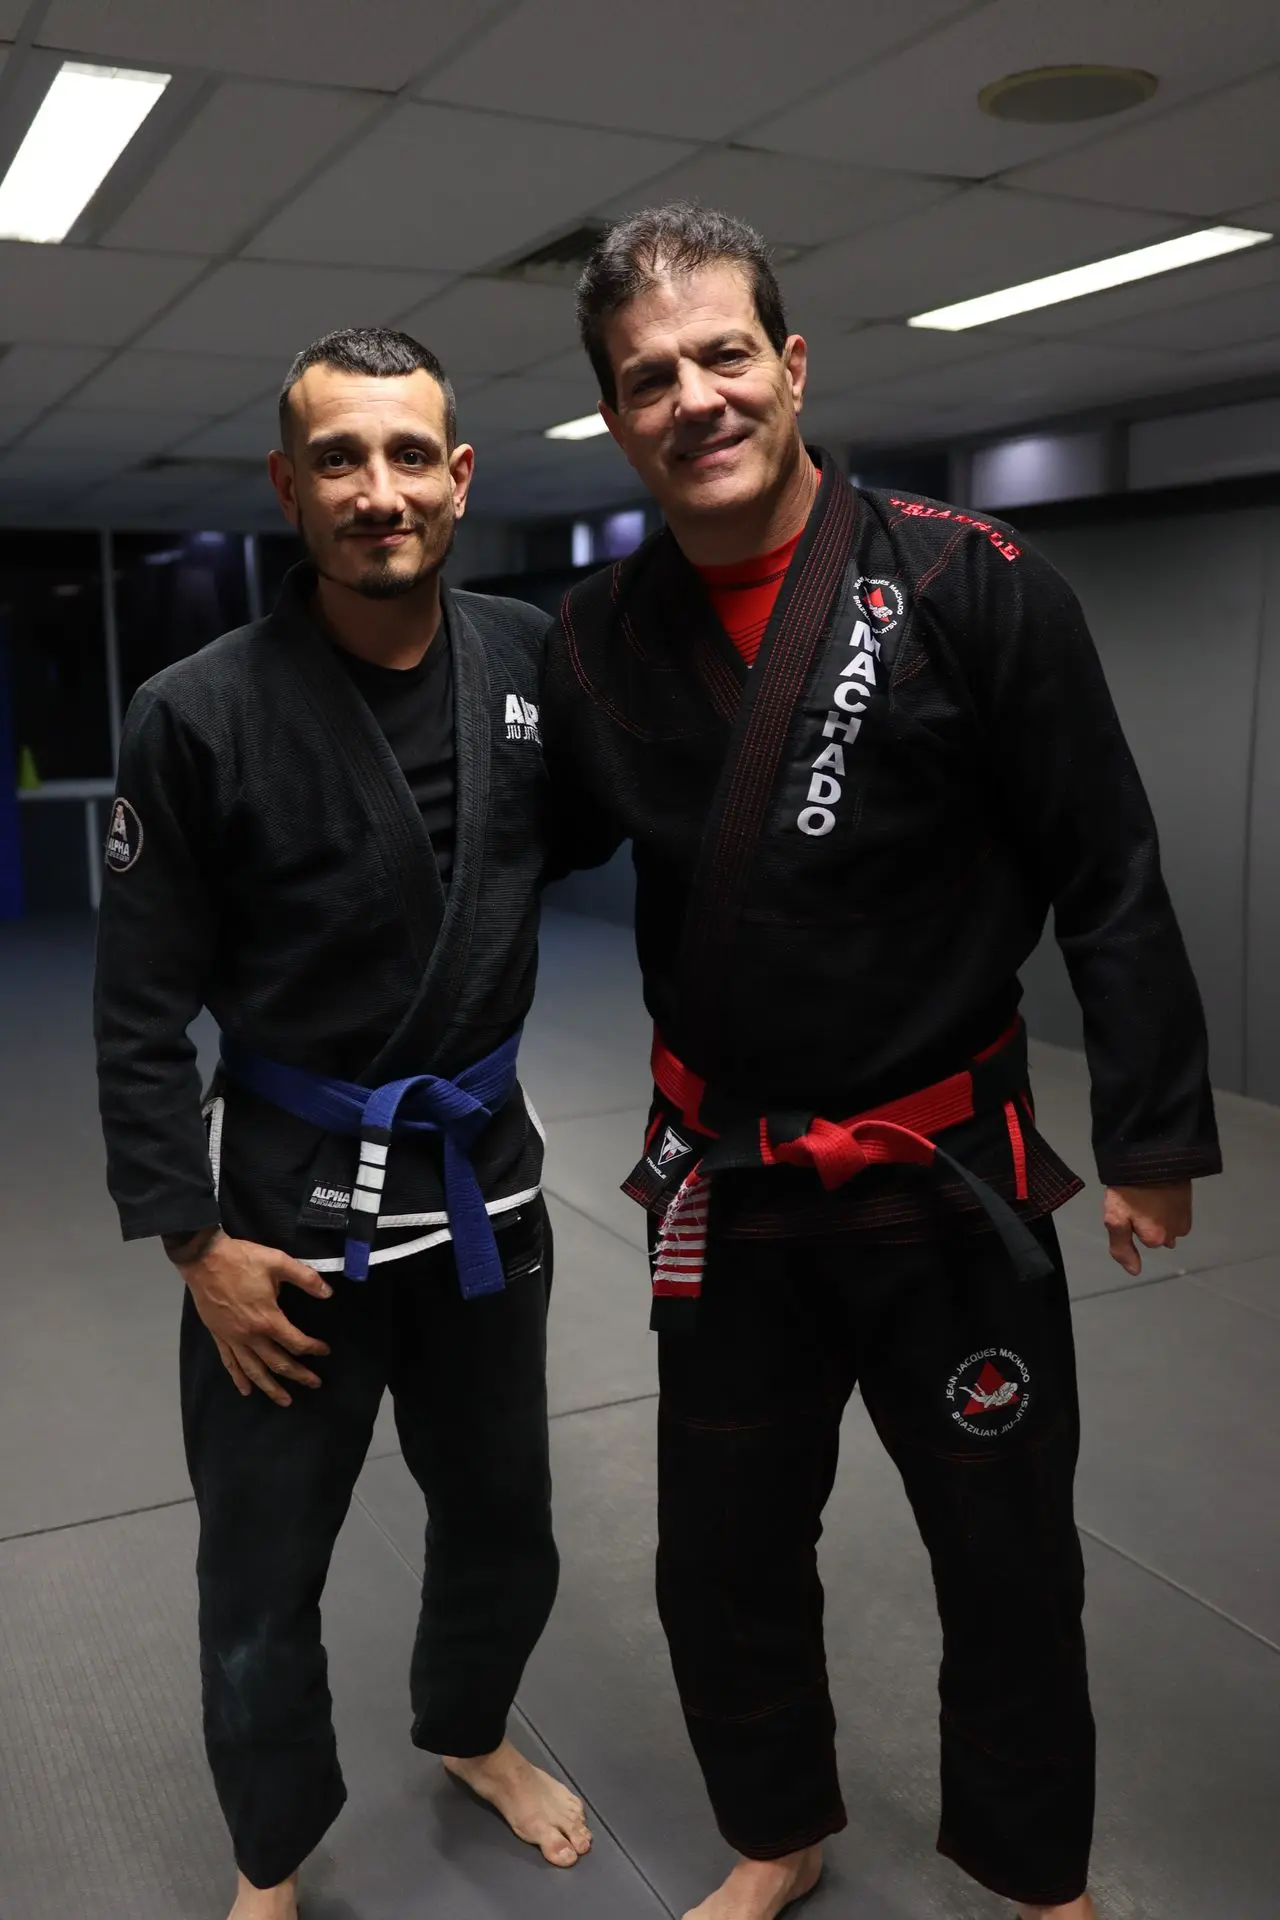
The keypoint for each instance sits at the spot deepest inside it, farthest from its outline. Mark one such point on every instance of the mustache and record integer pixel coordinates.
(380, 523)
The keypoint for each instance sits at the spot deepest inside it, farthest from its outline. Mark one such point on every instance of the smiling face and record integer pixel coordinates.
(367, 478)
(706, 408)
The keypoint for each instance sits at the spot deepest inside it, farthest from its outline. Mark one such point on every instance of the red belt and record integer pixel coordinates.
(898, 1133)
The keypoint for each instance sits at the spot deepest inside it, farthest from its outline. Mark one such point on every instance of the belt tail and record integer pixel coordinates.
(1028, 1257)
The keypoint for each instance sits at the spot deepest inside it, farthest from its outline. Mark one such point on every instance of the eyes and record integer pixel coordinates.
(339, 460)
(728, 360)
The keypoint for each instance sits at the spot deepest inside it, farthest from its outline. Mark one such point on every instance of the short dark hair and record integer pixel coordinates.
(379, 351)
(676, 239)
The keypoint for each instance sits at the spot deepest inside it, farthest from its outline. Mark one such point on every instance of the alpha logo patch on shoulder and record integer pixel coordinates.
(990, 1392)
(124, 837)
(522, 719)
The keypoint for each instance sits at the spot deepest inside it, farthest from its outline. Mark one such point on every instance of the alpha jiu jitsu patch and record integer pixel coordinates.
(989, 1393)
(124, 836)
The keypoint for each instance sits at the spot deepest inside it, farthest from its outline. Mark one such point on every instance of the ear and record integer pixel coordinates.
(462, 466)
(613, 420)
(280, 468)
(795, 358)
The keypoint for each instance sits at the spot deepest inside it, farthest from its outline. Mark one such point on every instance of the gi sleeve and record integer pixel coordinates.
(156, 932)
(583, 830)
(1072, 795)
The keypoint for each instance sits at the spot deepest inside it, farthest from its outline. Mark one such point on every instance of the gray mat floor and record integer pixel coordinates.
(105, 1809)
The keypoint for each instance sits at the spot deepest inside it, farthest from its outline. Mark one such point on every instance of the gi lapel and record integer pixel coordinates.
(359, 744)
(809, 601)
(429, 1017)
(672, 582)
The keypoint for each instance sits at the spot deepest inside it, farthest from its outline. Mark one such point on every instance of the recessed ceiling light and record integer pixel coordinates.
(584, 429)
(1057, 96)
(84, 123)
(1076, 282)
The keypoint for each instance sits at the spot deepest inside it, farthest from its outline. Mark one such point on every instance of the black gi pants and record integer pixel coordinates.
(273, 1484)
(969, 1376)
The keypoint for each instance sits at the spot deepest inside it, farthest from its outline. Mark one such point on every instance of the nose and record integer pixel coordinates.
(698, 397)
(379, 493)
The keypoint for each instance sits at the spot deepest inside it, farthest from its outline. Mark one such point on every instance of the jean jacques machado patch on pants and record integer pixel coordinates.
(989, 1392)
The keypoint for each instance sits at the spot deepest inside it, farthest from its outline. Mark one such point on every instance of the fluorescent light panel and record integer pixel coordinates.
(585, 429)
(1186, 251)
(85, 122)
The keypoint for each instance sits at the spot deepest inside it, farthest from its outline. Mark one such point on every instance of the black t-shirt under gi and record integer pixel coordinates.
(414, 708)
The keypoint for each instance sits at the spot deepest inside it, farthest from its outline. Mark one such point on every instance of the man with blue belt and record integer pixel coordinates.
(330, 832)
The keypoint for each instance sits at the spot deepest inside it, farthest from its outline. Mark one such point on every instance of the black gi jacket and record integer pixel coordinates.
(845, 854)
(271, 864)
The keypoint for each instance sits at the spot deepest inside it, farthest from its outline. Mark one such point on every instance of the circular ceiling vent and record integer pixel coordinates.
(1054, 96)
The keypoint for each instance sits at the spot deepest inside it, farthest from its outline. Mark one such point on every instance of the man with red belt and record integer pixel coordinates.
(862, 745)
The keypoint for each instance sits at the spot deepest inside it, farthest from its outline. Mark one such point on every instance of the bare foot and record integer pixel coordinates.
(762, 1889)
(266, 1903)
(1081, 1909)
(535, 1807)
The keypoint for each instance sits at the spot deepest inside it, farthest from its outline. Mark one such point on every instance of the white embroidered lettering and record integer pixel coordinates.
(823, 790)
(832, 758)
(846, 694)
(815, 821)
(515, 710)
(837, 729)
(861, 667)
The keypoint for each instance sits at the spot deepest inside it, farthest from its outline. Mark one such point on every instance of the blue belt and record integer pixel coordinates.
(458, 1110)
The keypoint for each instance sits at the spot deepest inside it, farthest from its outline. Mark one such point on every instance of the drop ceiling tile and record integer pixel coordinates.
(131, 499)
(247, 147)
(204, 383)
(918, 110)
(1026, 382)
(247, 435)
(55, 473)
(1201, 159)
(845, 360)
(259, 307)
(16, 420)
(321, 41)
(984, 238)
(493, 326)
(391, 201)
(1257, 357)
(793, 202)
(1206, 326)
(656, 65)
(1214, 280)
(12, 13)
(247, 504)
(524, 405)
(37, 376)
(83, 295)
(72, 430)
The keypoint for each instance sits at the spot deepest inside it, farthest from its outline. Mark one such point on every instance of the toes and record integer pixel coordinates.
(560, 1851)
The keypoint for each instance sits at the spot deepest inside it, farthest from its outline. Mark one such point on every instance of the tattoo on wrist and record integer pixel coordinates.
(183, 1248)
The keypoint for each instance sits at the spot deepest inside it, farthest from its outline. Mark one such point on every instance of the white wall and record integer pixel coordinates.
(1186, 614)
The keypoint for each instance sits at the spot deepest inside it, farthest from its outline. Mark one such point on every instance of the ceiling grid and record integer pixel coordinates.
(332, 176)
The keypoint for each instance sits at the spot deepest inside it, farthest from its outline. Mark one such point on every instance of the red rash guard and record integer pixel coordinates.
(743, 595)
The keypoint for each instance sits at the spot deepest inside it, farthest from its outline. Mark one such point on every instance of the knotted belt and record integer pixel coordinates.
(675, 1176)
(457, 1110)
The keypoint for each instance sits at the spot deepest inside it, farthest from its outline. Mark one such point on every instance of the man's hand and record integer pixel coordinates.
(1158, 1216)
(235, 1285)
